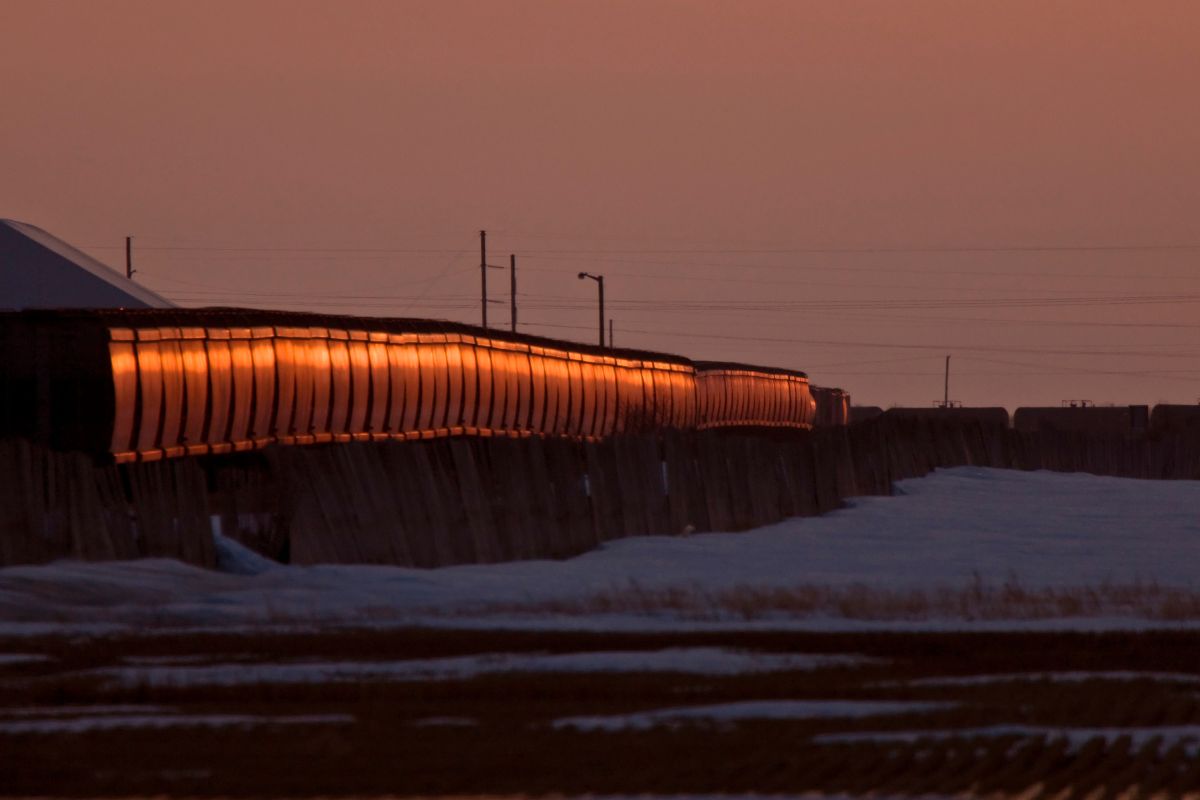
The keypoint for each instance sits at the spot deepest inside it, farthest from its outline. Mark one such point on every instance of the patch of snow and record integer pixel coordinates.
(1049, 677)
(946, 530)
(446, 722)
(235, 558)
(12, 659)
(1189, 735)
(693, 660)
(666, 623)
(81, 711)
(13, 629)
(804, 796)
(116, 722)
(155, 661)
(724, 713)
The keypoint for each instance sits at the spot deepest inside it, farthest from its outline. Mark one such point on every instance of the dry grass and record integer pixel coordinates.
(975, 600)
(513, 749)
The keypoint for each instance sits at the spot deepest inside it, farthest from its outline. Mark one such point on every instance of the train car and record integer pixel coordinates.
(1122, 420)
(145, 385)
(1171, 419)
(151, 384)
(864, 413)
(986, 415)
(833, 406)
(740, 395)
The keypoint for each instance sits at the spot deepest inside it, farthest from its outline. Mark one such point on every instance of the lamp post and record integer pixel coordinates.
(599, 279)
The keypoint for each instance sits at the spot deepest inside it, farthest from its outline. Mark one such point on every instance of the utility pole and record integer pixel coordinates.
(599, 279)
(129, 270)
(483, 274)
(946, 390)
(610, 338)
(483, 268)
(601, 310)
(512, 270)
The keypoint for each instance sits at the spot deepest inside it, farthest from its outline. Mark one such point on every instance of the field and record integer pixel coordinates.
(425, 711)
(1036, 635)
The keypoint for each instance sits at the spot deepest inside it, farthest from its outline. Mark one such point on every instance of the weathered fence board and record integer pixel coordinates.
(464, 500)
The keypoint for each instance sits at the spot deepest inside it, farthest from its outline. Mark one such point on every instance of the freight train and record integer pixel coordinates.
(1104, 420)
(143, 385)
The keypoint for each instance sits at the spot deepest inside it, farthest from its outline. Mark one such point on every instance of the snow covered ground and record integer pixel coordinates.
(955, 533)
(56, 723)
(750, 709)
(1163, 736)
(682, 660)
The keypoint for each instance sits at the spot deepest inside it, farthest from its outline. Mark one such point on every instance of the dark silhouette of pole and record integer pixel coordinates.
(599, 279)
(610, 337)
(946, 389)
(601, 282)
(483, 274)
(512, 271)
(129, 257)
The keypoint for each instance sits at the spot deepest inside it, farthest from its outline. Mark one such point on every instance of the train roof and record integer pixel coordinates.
(733, 365)
(223, 316)
(252, 317)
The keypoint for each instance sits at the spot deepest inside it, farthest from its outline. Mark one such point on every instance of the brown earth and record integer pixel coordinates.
(492, 733)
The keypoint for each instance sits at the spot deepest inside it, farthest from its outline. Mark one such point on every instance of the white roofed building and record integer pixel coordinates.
(38, 270)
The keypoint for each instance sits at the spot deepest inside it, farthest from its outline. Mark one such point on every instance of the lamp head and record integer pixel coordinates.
(582, 275)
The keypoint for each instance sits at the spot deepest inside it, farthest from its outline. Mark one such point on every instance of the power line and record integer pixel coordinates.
(659, 307)
(212, 291)
(1119, 247)
(843, 268)
(430, 283)
(1162, 374)
(335, 250)
(1041, 369)
(934, 347)
(735, 306)
(1002, 248)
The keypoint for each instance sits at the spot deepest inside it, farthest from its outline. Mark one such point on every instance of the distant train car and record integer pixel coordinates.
(739, 395)
(986, 415)
(153, 384)
(1122, 420)
(864, 413)
(833, 406)
(1169, 419)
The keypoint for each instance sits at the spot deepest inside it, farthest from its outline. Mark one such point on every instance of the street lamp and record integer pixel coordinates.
(599, 279)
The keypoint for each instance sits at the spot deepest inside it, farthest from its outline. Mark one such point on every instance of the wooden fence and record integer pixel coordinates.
(475, 500)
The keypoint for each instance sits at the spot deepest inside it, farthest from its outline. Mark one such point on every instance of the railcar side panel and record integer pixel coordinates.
(123, 356)
(220, 379)
(267, 393)
(285, 372)
(173, 397)
(440, 369)
(454, 383)
(470, 370)
(241, 391)
(331, 388)
(377, 361)
(513, 377)
(196, 383)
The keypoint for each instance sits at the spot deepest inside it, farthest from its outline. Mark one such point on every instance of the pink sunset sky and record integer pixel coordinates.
(851, 189)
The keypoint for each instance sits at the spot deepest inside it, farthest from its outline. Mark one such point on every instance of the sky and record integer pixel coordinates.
(853, 189)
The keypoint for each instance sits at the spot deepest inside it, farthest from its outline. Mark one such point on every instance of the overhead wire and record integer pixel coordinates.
(205, 293)
(940, 347)
(844, 268)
